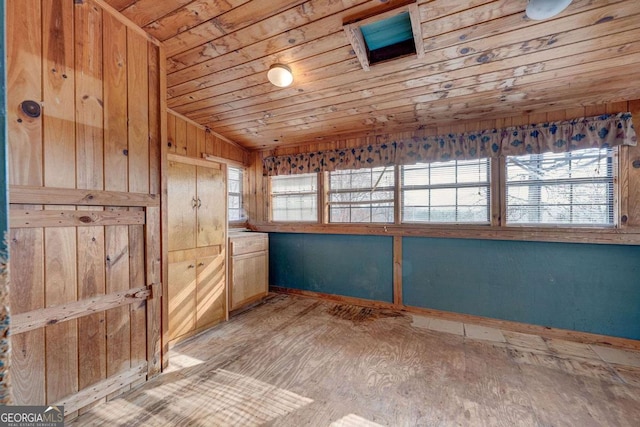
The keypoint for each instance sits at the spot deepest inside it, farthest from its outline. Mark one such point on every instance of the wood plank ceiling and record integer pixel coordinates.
(484, 59)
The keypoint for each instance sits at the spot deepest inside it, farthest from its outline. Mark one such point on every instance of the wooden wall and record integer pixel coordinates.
(258, 202)
(187, 138)
(85, 212)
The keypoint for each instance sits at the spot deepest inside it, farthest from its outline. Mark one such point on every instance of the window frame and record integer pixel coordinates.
(243, 216)
(318, 194)
(456, 186)
(496, 228)
(328, 192)
(615, 200)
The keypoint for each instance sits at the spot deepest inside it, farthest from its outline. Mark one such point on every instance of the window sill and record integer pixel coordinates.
(613, 236)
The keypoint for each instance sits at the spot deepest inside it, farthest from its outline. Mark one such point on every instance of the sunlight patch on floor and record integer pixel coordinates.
(223, 398)
(352, 420)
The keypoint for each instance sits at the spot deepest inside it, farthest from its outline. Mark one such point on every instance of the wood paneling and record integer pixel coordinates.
(85, 205)
(190, 139)
(482, 60)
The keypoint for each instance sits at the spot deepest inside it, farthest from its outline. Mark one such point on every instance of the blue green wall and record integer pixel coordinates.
(354, 266)
(584, 287)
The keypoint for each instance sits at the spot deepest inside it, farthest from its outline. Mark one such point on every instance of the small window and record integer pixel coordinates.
(574, 188)
(389, 38)
(447, 192)
(234, 182)
(363, 195)
(379, 36)
(294, 197)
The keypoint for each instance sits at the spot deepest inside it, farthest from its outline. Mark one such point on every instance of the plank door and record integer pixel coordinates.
(182, 205)
(182, 298)
(212, 210)
(211, 293)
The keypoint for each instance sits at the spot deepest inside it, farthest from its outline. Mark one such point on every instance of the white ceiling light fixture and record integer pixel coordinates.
(545, 9)
(280, 75)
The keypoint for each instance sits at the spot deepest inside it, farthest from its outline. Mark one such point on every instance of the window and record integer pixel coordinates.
(381, 36)
(234, 183)
(575, 188)
(389, 38)
(449, 192)
(363, 195)
(294, 197)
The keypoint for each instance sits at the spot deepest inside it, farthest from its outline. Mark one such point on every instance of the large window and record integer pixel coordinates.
(234, 182)
(294, 197)
(575, 188)
(363, 195)
(446, 192)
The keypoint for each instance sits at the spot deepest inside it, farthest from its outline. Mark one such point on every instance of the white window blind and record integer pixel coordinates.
(446, 192)
(234, 183)
(362, 195)
(575, 188)
(294, 197)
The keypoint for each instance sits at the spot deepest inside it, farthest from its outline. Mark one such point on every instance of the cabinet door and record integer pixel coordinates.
(249, 277)
(212, 213)
(182, 298)
(211, 292)
(181, 208)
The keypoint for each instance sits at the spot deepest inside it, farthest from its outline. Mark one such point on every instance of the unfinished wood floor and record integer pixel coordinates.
(294, 361)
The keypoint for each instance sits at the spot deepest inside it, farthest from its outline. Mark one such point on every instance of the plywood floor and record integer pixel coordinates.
(295, 361)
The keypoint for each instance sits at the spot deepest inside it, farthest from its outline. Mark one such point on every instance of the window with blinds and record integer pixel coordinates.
(294, 197)
(446, 192)
(574, 188)
(363, 195)
(234, 191)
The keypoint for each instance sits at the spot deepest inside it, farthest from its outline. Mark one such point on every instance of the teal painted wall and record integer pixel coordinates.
(354, 266)
(584, 287)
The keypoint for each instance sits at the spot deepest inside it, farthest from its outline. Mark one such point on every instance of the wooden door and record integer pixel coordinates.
(182, 205)
(84, 157)
(249, 278)
(211, 292)
(182, 298)
(212, 211)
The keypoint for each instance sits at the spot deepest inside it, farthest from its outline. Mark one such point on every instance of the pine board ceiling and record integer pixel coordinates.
(484, 59)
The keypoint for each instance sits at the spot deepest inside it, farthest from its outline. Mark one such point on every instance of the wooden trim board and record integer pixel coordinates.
(31, 195)
(543, 331)
(612, 236)
(33, 219)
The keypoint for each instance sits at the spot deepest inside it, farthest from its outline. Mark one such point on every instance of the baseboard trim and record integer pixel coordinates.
(543, 331)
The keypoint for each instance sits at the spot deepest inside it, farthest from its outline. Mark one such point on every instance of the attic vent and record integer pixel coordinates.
(386, 35)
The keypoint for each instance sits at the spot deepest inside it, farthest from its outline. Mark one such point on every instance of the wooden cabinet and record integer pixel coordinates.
(248, 268)
(197, 205)
(197, 217)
